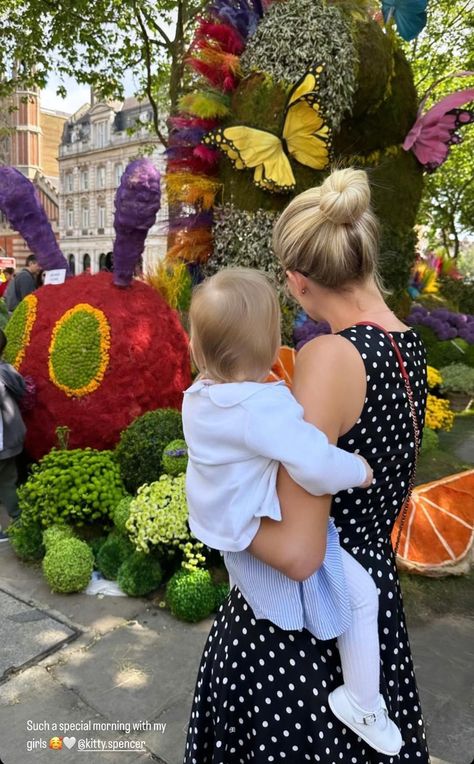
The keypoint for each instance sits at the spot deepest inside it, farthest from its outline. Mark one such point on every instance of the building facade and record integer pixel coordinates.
(95, 149)
(30, 140)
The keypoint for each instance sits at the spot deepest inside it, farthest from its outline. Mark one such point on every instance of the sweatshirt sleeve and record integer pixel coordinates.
(13, 380)
(275, 428)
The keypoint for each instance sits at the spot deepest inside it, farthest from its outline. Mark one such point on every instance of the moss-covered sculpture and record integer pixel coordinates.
(366, 95)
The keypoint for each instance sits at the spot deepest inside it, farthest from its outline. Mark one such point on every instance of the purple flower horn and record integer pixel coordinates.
(20, 203)
(137, 201)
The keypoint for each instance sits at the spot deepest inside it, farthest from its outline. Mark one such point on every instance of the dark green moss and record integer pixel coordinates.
(372, 45)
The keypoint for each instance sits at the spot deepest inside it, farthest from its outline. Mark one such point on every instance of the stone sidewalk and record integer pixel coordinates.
(124, 661)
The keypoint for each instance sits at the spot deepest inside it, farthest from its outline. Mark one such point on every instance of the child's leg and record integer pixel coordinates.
(359, 645)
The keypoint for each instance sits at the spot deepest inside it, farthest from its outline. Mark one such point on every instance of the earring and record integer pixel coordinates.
(304, 290)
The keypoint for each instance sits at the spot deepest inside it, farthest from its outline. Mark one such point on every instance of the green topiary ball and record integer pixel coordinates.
(68, 566)
(191, 595)
(55, 534)
(96, 545)
(139, 574)
(175, 457)
(141, 446)
(121, 514)
(26, 539)
(76, 486)
(113, 552)
(221, 593)
(441, 353)
(430, 440)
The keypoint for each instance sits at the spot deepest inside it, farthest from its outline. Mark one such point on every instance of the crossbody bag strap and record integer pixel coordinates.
(414, 418)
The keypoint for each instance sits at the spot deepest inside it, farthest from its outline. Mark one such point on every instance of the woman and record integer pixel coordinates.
(262, 692)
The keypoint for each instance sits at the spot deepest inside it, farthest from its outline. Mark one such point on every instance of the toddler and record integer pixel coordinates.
(238, 430)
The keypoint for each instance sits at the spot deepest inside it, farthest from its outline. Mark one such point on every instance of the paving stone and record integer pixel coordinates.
(27, 634)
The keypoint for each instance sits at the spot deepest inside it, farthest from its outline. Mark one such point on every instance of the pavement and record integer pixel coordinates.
(121, 671)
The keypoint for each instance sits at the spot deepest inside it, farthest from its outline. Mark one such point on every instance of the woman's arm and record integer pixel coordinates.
(329, 383)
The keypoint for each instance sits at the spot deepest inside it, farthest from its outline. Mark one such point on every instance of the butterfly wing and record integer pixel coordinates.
(307, 136)
(306, 133)
(410, 16)
(432, 134)
(248, 147)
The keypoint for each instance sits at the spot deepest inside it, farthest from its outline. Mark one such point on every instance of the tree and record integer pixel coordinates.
(96, 43)
(445, 46)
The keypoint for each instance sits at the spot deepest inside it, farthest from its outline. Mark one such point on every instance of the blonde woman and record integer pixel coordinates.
(263, 693)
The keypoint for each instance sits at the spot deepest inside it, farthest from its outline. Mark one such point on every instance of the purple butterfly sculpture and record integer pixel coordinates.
(435, 131)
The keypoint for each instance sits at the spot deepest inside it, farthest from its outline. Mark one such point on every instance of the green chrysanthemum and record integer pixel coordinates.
(18, 330)
(78, 353)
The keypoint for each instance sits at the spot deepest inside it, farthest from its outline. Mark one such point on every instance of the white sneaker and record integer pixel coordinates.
(377, 729)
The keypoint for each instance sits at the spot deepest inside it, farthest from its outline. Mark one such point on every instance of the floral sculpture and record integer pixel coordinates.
(101, 349)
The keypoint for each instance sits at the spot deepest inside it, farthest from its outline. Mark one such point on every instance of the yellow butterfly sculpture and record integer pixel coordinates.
(306, 138)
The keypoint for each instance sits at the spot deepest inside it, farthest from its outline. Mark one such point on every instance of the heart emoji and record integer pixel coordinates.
(69, 742)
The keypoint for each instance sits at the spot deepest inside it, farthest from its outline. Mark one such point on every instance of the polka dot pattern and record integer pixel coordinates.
(261, 692)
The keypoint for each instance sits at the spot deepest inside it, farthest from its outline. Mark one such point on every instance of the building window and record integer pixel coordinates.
(69, 217)
(72, 264)
(102, 130)
(84, 180)
(118, 173)
(69, 182)
(101, 216)
(85, 217)
(86, 263)
(101, 177)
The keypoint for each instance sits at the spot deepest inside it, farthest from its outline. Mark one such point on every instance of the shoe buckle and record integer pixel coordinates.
(369, 719)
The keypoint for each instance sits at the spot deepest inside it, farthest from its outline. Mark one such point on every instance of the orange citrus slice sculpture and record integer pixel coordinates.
(284, 366)
(438, 532)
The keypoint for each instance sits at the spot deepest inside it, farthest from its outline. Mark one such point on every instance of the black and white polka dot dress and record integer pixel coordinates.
(261, 692)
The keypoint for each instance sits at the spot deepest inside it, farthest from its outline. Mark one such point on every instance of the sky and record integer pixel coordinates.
(77, 95)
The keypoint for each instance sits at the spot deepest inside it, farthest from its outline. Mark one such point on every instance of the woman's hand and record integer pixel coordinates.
(330, 383)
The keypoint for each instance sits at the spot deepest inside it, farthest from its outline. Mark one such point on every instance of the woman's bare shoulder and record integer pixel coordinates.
(329, 349)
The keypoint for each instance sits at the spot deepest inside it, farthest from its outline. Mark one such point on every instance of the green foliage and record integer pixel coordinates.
(443, 353)
(159, 514)
(140, 574)
(445, 46)
(430, 440)
(26, 539)
(68, 566)
(459, 294)
(112, 553)
(174, 460)
(96, 544)
(141, 446)
(77, 486)
(222, 592)
(457, 378)
(56, 534)
(121, 514)
(191, 595)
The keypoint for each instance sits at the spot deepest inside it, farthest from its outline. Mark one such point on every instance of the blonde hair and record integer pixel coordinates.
(330, 233)
(235, 325)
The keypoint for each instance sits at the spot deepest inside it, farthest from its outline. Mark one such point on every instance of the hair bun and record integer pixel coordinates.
(345, 196)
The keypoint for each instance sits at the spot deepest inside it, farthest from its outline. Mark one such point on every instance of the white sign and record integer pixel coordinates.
(55, 277)
(7, 262)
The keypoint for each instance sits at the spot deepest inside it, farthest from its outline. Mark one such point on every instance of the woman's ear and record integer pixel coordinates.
(297, 283)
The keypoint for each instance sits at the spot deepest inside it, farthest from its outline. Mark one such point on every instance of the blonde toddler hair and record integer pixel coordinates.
(235, 326)
(329, 233)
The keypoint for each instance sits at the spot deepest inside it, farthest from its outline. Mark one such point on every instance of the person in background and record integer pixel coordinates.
(8, 274)
(23, 284)
(12, 433)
